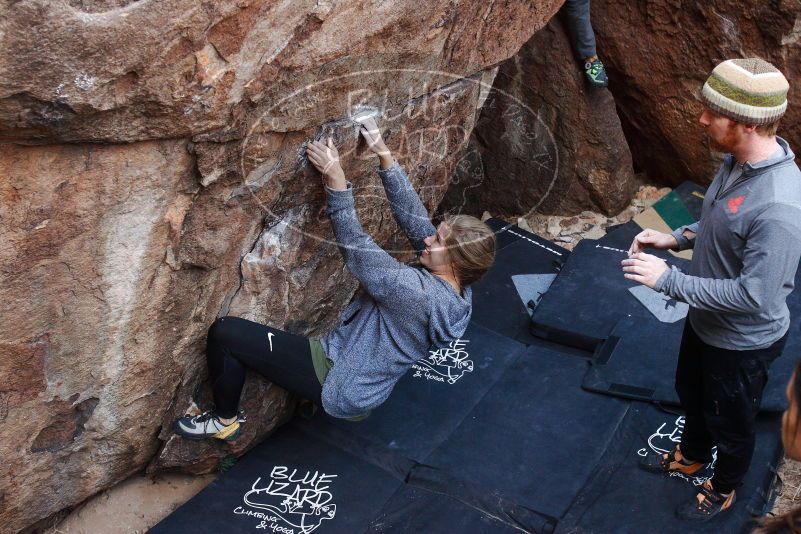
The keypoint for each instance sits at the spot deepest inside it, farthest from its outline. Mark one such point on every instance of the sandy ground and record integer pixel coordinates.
(790, 496)
(140, 502)
(133, 506)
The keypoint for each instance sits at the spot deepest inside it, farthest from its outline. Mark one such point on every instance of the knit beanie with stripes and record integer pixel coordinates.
(750, 91)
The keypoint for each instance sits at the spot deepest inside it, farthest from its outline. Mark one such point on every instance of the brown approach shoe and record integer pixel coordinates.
(706, 504)
(671, 462)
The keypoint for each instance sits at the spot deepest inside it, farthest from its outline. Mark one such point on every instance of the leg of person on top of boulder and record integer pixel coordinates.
(402, 311)
(746, 249)
(576, 14)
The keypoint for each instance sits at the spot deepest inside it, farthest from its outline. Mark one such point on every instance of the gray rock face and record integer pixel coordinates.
(170, 187)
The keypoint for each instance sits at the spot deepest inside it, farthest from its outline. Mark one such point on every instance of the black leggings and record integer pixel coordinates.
(282, 358)
(720, 391)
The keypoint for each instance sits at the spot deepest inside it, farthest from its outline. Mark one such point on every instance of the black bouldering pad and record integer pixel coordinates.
(430, 401)
(413, 509)
(638, 360)
(497, 304)
(622, 498)
(774, 398)
(505, 233)
(622, 235)
(590, 296)
(291, 482)
(534, 439)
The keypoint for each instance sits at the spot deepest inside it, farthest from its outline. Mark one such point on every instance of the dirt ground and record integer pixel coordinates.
(790, 496)
(140, 502)
(133, 506)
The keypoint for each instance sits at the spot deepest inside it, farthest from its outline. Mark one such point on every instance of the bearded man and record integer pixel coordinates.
(746, 249)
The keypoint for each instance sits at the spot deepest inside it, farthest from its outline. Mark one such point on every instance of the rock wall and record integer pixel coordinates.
(154, 179)
(546, 143)
(660, 52)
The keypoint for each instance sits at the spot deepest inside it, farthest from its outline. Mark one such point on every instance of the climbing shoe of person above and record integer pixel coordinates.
(595, 72)
(208, 425)
(669, 463)
(706, 504)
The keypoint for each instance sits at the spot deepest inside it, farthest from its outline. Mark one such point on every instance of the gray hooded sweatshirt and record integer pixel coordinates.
(745, 255)
(401, 313)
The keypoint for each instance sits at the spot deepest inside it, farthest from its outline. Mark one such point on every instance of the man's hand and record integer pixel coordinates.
(644, 268)
(325, 159)
(372, 135)
(652, 239)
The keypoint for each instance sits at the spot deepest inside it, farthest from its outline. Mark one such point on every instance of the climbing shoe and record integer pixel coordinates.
(596, 74)
(706, 504)
(671, 462)
(208, 425)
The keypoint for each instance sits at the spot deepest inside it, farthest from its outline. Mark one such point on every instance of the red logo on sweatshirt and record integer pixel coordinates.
(734, 203)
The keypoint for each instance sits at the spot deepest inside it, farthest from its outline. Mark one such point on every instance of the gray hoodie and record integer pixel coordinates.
(401, 313)
(745, 255)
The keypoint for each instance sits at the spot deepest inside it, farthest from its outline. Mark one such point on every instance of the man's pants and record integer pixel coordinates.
(576, 15)
(721, 390)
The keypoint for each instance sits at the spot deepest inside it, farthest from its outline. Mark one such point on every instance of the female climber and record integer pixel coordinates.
(401, 313)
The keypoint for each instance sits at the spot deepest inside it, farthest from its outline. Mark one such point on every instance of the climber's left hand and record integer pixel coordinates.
(325, 159)
(644, 268)
(372, 135)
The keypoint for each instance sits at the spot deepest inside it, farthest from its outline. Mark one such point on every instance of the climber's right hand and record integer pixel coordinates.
(325, 159)
(652, 239)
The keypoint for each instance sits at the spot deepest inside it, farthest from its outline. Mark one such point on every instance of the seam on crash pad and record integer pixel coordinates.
(532, 241)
